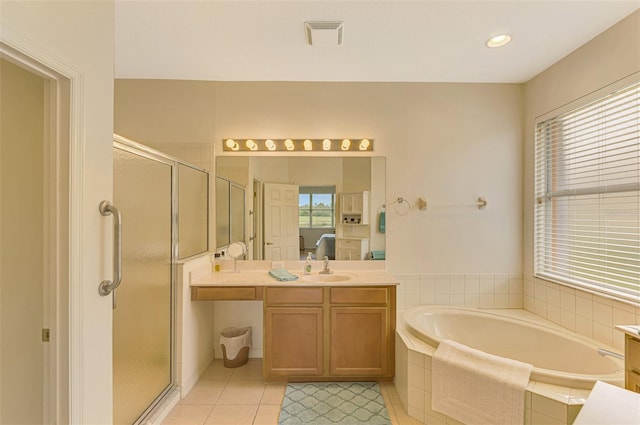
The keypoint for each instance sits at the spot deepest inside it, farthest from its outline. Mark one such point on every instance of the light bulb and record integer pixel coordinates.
(230, 143)
(308, 146)
(251, 145)
(270, 144)
(326, 144)
(364, 144)
(498, 40)
(289, 144)
(346, 144)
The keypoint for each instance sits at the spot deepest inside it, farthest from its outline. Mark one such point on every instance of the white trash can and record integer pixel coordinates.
(235, 344)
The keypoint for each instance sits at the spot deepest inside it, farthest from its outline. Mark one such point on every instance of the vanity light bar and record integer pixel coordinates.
(289, 145)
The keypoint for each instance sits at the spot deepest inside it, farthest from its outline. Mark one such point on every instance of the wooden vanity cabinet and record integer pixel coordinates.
(329, 333)
(293, 336)
(360, 331)
(632, 363)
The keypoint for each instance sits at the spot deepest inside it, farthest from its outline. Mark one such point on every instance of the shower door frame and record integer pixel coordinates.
(138, 149)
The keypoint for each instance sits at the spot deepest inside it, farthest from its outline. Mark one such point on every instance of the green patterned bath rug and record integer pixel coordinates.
(333, 403)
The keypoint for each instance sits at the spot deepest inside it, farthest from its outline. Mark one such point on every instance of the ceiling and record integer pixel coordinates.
(384, 41)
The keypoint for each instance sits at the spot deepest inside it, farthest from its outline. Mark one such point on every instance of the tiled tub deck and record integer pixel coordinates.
(545, 404)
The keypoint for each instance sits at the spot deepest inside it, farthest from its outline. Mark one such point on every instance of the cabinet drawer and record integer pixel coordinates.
(349, 244)
(225, 293)
(358, 296)
(294, 295)
(633, 381)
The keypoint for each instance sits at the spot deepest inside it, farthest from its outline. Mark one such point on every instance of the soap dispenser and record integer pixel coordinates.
(217, 261)
(307, 264)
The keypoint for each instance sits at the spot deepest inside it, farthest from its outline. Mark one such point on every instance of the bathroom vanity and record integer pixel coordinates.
(319, 327)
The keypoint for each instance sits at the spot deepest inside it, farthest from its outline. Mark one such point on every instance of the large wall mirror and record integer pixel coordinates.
(327, 206)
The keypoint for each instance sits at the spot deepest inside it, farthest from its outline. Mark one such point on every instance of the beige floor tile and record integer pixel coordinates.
(232, 415)
(403, 417)
(267, 415)
(385, 394)
(392, 393)
(252, 370)
(230, 396)
(204, 392)
(242, 392)
(273, 393)
(217, 371)
(392, 414)
(188, 414)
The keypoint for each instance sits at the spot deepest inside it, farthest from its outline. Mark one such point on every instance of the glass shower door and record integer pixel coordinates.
(142, 315)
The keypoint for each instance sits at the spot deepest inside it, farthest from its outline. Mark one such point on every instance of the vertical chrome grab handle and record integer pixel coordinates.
(108, 286)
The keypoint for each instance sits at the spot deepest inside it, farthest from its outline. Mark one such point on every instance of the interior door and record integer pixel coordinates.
(142, 313)
(281, 232)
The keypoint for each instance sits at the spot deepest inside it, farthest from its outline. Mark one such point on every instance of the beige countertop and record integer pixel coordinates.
(631, 330)
(262, 278)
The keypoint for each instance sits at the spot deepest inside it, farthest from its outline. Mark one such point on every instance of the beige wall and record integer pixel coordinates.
(22, 241)
(77, 40)
(601, 63)
(447, 142)
(611, 56)
(165, 112)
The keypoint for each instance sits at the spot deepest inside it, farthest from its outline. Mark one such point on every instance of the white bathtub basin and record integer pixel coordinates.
(559, 356)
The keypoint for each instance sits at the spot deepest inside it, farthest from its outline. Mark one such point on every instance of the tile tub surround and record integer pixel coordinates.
(584, 313)
(545, 404)
(461, 290)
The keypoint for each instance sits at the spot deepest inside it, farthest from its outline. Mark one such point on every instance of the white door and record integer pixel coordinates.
(281, 231)
(256, 222)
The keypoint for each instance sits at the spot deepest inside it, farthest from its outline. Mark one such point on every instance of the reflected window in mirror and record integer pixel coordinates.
(317, 207)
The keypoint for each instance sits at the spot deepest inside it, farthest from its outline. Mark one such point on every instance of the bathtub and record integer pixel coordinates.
(558, 356)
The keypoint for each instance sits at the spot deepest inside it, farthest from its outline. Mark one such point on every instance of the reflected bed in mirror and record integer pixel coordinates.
(294, 204)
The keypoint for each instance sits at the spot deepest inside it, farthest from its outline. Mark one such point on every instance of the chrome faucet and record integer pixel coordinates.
(326, 269)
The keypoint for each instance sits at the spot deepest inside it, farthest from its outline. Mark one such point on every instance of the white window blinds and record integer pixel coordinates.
(587, 214)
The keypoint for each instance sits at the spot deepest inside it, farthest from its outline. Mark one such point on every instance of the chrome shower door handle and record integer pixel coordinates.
(108, 286)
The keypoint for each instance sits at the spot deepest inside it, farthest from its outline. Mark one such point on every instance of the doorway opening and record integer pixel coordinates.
(34, 241)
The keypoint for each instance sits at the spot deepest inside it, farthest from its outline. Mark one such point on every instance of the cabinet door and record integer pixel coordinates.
(346, 202)
(342, 255)
(359, 341)
(293, 341)
(351, 203)
(356, 203)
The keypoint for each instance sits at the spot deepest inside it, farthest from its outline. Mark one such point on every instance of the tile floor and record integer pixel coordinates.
(241, 397)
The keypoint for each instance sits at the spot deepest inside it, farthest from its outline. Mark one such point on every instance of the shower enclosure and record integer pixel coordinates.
(163, 203)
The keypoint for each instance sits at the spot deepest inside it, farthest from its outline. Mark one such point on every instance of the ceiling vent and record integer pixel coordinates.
(325, 33)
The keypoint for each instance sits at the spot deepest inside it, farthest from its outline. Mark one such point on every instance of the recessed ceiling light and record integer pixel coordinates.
(498, 40)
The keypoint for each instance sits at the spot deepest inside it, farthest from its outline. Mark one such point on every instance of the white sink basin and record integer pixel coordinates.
(336, 277)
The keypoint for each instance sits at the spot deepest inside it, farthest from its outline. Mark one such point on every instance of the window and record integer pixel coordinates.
(587, 213)
(317, 207)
